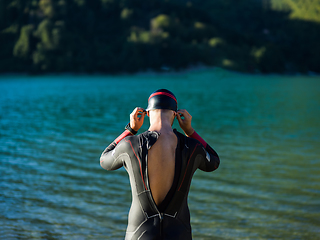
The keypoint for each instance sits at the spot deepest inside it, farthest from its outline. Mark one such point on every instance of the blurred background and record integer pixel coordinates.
(72, 71)
(267, 36)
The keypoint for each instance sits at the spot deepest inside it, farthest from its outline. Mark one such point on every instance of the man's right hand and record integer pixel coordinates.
(137, 118)
(184, 119)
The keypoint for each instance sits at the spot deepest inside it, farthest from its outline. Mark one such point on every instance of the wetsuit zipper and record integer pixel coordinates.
(161, 227)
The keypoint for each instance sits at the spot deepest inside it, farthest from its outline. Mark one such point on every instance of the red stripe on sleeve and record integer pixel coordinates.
(200, 139)
(122, 136)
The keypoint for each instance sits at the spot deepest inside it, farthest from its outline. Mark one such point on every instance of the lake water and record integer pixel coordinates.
(266, 130)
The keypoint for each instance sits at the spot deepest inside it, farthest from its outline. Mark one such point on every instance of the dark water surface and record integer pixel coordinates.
(266, 130)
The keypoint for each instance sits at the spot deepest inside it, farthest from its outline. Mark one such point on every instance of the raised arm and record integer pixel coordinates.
(109, 159)
(212, 160)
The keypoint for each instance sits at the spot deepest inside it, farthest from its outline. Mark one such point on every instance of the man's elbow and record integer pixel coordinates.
(214, 163)
(102, 163)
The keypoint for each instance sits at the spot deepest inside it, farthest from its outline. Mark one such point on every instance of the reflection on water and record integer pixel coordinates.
(265, 129)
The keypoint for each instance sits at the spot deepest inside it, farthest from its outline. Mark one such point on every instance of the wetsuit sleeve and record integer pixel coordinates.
(211, 161)
(110, 159)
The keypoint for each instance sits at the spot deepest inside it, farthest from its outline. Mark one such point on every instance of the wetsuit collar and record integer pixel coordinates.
(151, 137)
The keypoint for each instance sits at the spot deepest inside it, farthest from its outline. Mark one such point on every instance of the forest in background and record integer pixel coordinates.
(116, 36)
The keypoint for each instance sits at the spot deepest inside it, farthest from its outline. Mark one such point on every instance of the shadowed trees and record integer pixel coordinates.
(112, 36)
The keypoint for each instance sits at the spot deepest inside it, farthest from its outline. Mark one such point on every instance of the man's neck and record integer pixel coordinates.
(159, 127)
(160, 124)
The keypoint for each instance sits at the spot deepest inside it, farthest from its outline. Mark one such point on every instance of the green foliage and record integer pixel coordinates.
(22, 47)
(126, 13)
(133, 35)
(160, 22)
(139, 36)
(44, 34)
(80, 2)
(258, 53)
(214, 42)
(308, 10)
(47, 8)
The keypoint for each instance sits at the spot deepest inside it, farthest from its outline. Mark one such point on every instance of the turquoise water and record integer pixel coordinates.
(266, 130)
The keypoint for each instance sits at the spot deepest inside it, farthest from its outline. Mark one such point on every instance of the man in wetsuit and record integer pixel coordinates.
(160, 163)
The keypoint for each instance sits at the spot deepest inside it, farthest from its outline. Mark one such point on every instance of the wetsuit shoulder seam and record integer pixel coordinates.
(188, 165)
(139, 161)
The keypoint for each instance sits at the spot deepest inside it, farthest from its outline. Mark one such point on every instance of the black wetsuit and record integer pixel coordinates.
(171, 219)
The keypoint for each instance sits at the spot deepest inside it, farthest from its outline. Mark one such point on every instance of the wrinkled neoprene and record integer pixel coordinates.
(171, 219)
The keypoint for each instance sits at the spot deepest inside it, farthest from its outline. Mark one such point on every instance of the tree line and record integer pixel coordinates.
(112, 36)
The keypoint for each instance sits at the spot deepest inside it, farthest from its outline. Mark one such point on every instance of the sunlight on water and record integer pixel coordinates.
(266, 130)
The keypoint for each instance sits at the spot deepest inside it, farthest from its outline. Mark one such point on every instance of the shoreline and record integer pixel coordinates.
(164, 72)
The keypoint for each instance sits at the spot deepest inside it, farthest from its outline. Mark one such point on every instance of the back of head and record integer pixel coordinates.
(162, 99)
